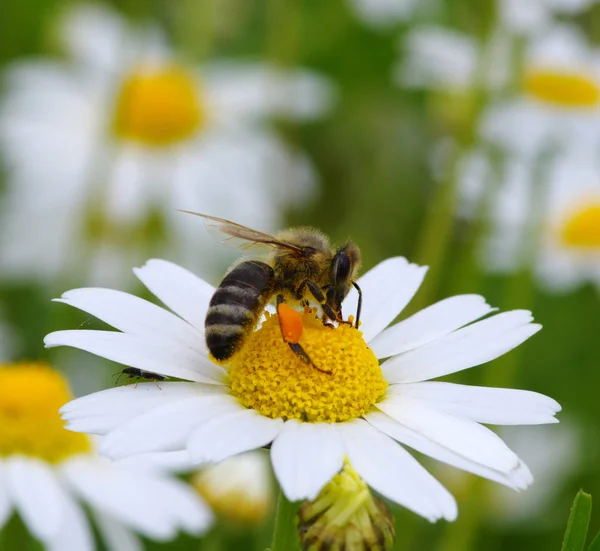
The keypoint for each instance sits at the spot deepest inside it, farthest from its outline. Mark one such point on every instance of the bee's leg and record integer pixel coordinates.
(295, 346)
(359, 305)
(320, 297)
(301, 353)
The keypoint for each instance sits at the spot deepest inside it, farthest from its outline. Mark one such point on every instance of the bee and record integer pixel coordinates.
(302, 263)
(134, 372)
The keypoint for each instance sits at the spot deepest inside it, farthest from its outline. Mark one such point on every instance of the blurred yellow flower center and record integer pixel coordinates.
(30, 396)
(267, 376)
(562, 89)
(158, 107)
(582, 228)
(237, 489)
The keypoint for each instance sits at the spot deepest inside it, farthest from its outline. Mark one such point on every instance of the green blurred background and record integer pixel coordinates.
(373, 155)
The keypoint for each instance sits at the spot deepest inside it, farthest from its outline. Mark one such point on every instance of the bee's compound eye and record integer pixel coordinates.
(290, 322)
(341, 267)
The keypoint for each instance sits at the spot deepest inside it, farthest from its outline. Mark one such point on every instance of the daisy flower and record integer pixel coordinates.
(558, 100)
(552, 101)
(104, 146)
(566, 239)
(362, 411)
(48, 473)
(238, 489)
(534, 15)
(381, 14)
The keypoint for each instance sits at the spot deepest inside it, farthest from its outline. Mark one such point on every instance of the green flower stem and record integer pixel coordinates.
(284, 20)
(285, 537)
(434, 239)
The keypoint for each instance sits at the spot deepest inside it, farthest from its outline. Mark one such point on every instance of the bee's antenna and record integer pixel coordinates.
(359, 306)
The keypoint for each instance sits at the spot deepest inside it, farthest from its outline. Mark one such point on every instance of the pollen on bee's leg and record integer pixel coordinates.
(290, 321)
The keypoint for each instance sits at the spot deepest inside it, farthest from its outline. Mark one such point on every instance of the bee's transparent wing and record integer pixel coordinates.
(241, 237)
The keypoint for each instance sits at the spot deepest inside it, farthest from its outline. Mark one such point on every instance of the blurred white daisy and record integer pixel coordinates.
(238, 489)
(555, 456)
(313, 420)
(47, 473)
(449, 61)
(563, 245)
(101, 148)
(558, 102)
(535, 15)
(549, 100)
(381, 14)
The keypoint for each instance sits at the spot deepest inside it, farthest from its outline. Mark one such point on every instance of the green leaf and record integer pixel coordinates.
(578, 522)
(595, 545)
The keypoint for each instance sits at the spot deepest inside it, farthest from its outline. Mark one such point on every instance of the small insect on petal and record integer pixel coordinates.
(290, 321)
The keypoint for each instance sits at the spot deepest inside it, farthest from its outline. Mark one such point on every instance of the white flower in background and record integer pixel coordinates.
(100, 149)
(551, 103)
(381, 14)
(238, 489)
(552, 226)
(313, 420)
(448, 61)
(558, 102)
(554, 456)
(47, 473)
(535, 15)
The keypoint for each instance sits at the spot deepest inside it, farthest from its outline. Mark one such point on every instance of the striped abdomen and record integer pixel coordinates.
(236, 306)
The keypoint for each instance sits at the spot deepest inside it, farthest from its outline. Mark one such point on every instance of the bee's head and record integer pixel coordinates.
(344, 267)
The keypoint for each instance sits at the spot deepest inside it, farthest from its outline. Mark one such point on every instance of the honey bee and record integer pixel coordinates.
(302, 263)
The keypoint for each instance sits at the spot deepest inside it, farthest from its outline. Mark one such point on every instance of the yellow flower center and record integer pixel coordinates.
(266, 375)
(582, 228)
(158, 107)
(30, 396)
(562, 89)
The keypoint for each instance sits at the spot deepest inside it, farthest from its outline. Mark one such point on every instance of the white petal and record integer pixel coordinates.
(387, 289)
(166, 428)
(75, 533)
(473, 345)
(187, 509)
(305, 457)
(232, 434)
(164, 462)
(184, 293)
(496, 406)
(5, 501)
(37, 495)
(429, 324)
(518, 479)
(100, 412)
(116, 536)
(253, 91)
(467, 438)
(122, 493)
(169, 359)
(390, 470)
(133, 315)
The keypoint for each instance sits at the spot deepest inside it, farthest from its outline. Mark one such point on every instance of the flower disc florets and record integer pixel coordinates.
(267, 376)
(30, 397)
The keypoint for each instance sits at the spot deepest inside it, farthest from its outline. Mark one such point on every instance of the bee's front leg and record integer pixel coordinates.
(320, 298)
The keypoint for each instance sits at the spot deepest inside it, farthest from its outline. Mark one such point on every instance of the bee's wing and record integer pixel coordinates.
(240, 236)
